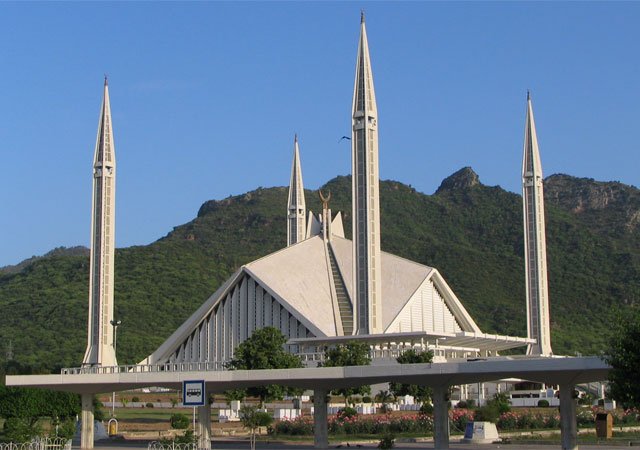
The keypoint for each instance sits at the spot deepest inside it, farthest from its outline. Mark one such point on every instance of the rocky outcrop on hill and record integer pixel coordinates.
(464, 178)
(612, 203)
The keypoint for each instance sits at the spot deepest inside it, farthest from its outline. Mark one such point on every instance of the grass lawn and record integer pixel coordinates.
(149, 414)
(619, 438)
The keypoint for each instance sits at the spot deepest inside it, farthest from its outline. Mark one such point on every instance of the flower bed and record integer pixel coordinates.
(379, 424)
(423, 423)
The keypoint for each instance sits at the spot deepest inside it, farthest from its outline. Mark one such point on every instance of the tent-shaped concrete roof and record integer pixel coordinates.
(298, 277)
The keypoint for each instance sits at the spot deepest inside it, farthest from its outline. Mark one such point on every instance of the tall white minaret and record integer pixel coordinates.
(100, 345)
(296, 209)
(365, 195)
(535, 247)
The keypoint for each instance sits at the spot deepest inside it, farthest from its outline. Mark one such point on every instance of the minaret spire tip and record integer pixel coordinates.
(296, 206)
(528, 95)
(362, 16)
(106, 81)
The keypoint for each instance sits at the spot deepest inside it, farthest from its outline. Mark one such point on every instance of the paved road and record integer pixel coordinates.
(244, 445)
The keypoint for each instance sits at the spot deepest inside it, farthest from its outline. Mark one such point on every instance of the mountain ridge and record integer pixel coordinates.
(470, 232)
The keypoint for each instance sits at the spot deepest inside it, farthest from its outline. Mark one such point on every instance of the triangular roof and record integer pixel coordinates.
(400, 277)
(299, 278)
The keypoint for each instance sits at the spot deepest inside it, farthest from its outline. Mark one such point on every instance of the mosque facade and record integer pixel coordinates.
(323, 289)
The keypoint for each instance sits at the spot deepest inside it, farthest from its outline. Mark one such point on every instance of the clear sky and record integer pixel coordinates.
(206, 98)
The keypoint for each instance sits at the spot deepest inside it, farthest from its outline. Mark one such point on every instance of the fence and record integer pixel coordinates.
(39, 444)
(141, 368)
(155, 445)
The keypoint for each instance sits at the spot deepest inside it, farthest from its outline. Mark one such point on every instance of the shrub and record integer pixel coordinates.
(388, 441)
(300, 426)
(507, 421)
(487, 413)
(552, 422)
(586, 399)
(426, 408)
(366, 399)
(462, 404)
(346, 413)
(459, 418)
(67, 429)
(585, 418)
(98, 412)
(20, 430)
(385, 408)
(501, 402)
(187, 438)
(149, 405)
(179, 421)
(135, 399)
(362, 425)
(630, 416)
(543, 403)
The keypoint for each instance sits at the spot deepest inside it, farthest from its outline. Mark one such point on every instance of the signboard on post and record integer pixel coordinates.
(193, 393)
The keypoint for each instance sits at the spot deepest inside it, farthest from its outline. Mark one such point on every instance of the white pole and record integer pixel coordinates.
(115, 324)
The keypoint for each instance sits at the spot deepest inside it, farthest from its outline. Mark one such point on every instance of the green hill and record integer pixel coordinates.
(472, 233)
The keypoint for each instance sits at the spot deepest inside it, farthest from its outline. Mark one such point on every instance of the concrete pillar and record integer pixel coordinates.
(203, 427)
(440, 417)
(568, 419)
(86, 432)
(320, 423)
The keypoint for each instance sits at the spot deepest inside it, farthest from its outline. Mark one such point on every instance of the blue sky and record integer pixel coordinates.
(206, 98)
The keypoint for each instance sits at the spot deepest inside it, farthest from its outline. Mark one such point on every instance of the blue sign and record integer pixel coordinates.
(468, 432)
(193, 393)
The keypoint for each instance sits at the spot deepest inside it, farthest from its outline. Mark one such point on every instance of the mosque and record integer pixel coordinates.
(324, 289)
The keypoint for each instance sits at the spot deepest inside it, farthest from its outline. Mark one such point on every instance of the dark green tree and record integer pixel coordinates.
(179, 421)
(420, 393)
(624, 358)
(353, 353)
(24, 407)
(385, 397)
(265, 350)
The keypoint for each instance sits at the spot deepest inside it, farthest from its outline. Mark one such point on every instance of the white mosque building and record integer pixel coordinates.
(324, 289)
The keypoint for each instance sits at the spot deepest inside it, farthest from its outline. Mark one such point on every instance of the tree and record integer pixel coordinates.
(624, 358)
(24, 407)
(234, 395)
(420, 393)
(179, 421)
(265, 350)
(492, 410)
(353, 353)
(253, 419)
(384, 397)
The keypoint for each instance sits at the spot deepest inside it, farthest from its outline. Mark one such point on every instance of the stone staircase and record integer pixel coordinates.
(344, 304)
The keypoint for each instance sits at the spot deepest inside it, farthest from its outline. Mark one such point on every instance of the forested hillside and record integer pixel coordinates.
(472, 233)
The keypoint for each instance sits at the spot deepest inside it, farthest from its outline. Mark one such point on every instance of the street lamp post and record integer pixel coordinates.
(114, 324)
